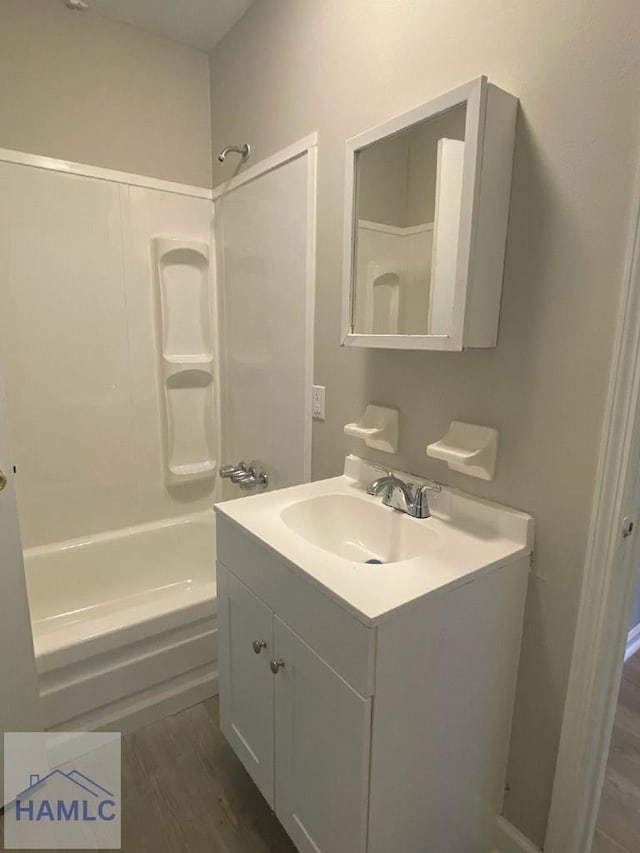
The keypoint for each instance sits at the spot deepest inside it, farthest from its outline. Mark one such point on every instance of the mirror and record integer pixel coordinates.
(407, 217)
(416, 189)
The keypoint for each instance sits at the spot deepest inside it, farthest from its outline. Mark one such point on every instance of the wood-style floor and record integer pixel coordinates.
(184, 791)
(618, 827)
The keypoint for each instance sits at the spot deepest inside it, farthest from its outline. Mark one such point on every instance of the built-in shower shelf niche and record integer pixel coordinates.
(173, 365)
(183, 276)
(185, 358)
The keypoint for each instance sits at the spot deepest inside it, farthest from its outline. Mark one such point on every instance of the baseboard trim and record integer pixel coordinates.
(633, 642)
(511, 840)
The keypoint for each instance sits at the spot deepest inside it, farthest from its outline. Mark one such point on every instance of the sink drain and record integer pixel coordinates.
(374, 561)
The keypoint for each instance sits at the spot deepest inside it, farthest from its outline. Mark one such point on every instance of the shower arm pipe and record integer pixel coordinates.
(243, 150)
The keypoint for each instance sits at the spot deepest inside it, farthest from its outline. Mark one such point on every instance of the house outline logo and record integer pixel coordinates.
(102, 806)
(69, 788)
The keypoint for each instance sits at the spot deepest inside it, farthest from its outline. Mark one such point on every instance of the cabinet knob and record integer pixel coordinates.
(258, 646)
(276, 666)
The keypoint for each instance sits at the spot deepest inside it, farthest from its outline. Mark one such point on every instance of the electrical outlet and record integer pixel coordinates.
(318, 402)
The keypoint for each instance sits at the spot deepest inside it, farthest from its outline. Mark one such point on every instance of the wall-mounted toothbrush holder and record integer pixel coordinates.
(378, 428)
(469, 449)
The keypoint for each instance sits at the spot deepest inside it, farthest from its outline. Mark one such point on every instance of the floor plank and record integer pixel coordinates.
(602, 844)
(185, 791)
(632, 669)
(618, 826)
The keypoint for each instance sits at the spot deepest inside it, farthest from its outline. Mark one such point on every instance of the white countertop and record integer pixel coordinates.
(471, 537)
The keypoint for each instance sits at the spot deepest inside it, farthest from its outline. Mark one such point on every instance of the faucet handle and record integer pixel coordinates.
(421, 499)
(228, 471)
(252, 479)
(429, 487)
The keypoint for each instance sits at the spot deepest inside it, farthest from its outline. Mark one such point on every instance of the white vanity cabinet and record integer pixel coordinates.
(247, 703)
(368, 735)
(305, 712)
(322, 736)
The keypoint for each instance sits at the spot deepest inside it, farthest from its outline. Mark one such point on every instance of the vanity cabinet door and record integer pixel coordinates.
(246, 681)
(322, 767)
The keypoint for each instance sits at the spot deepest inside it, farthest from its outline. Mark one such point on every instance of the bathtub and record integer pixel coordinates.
(124, 623)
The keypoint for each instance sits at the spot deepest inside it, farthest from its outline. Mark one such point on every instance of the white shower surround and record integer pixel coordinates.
(266, 315)
(79, 346)
(120, 569)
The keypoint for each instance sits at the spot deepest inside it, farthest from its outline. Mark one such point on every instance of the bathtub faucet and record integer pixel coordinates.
(233, 472)
(247, 477)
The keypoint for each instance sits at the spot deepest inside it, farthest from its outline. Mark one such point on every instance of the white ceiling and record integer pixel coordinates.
(199, 23)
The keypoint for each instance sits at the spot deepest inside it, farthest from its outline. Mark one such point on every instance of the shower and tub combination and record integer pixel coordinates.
(143, 324)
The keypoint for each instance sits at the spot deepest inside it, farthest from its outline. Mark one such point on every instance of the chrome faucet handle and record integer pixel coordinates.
(429, 487)
(228, 471)
(253, 479)
(420, 503)
(245, 476)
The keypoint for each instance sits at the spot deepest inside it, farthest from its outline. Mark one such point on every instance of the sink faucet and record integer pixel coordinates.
(415, 498)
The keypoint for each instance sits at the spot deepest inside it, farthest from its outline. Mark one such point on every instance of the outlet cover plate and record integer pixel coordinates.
(318, 402)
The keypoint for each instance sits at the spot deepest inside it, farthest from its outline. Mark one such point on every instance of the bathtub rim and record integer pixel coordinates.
(124, 619)
(73, 644)
(207, 516)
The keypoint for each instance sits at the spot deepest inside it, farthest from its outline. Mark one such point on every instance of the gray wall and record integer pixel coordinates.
(79, 87)
(293, 66)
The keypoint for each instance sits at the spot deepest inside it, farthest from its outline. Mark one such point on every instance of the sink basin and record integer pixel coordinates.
(359, 529)
(327, 530)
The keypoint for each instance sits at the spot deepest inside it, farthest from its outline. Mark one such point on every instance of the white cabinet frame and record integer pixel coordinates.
(486, 182)
(299, 715)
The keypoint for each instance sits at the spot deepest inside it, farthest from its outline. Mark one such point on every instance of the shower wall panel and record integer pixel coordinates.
(64, 350)
(79, 350)
(262, 231)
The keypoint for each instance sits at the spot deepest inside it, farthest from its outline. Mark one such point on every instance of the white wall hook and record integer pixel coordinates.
(469, 449)
(378, 428)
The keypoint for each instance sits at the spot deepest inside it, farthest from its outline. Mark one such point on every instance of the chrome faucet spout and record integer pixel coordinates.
(390, 482)
(414, 498)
